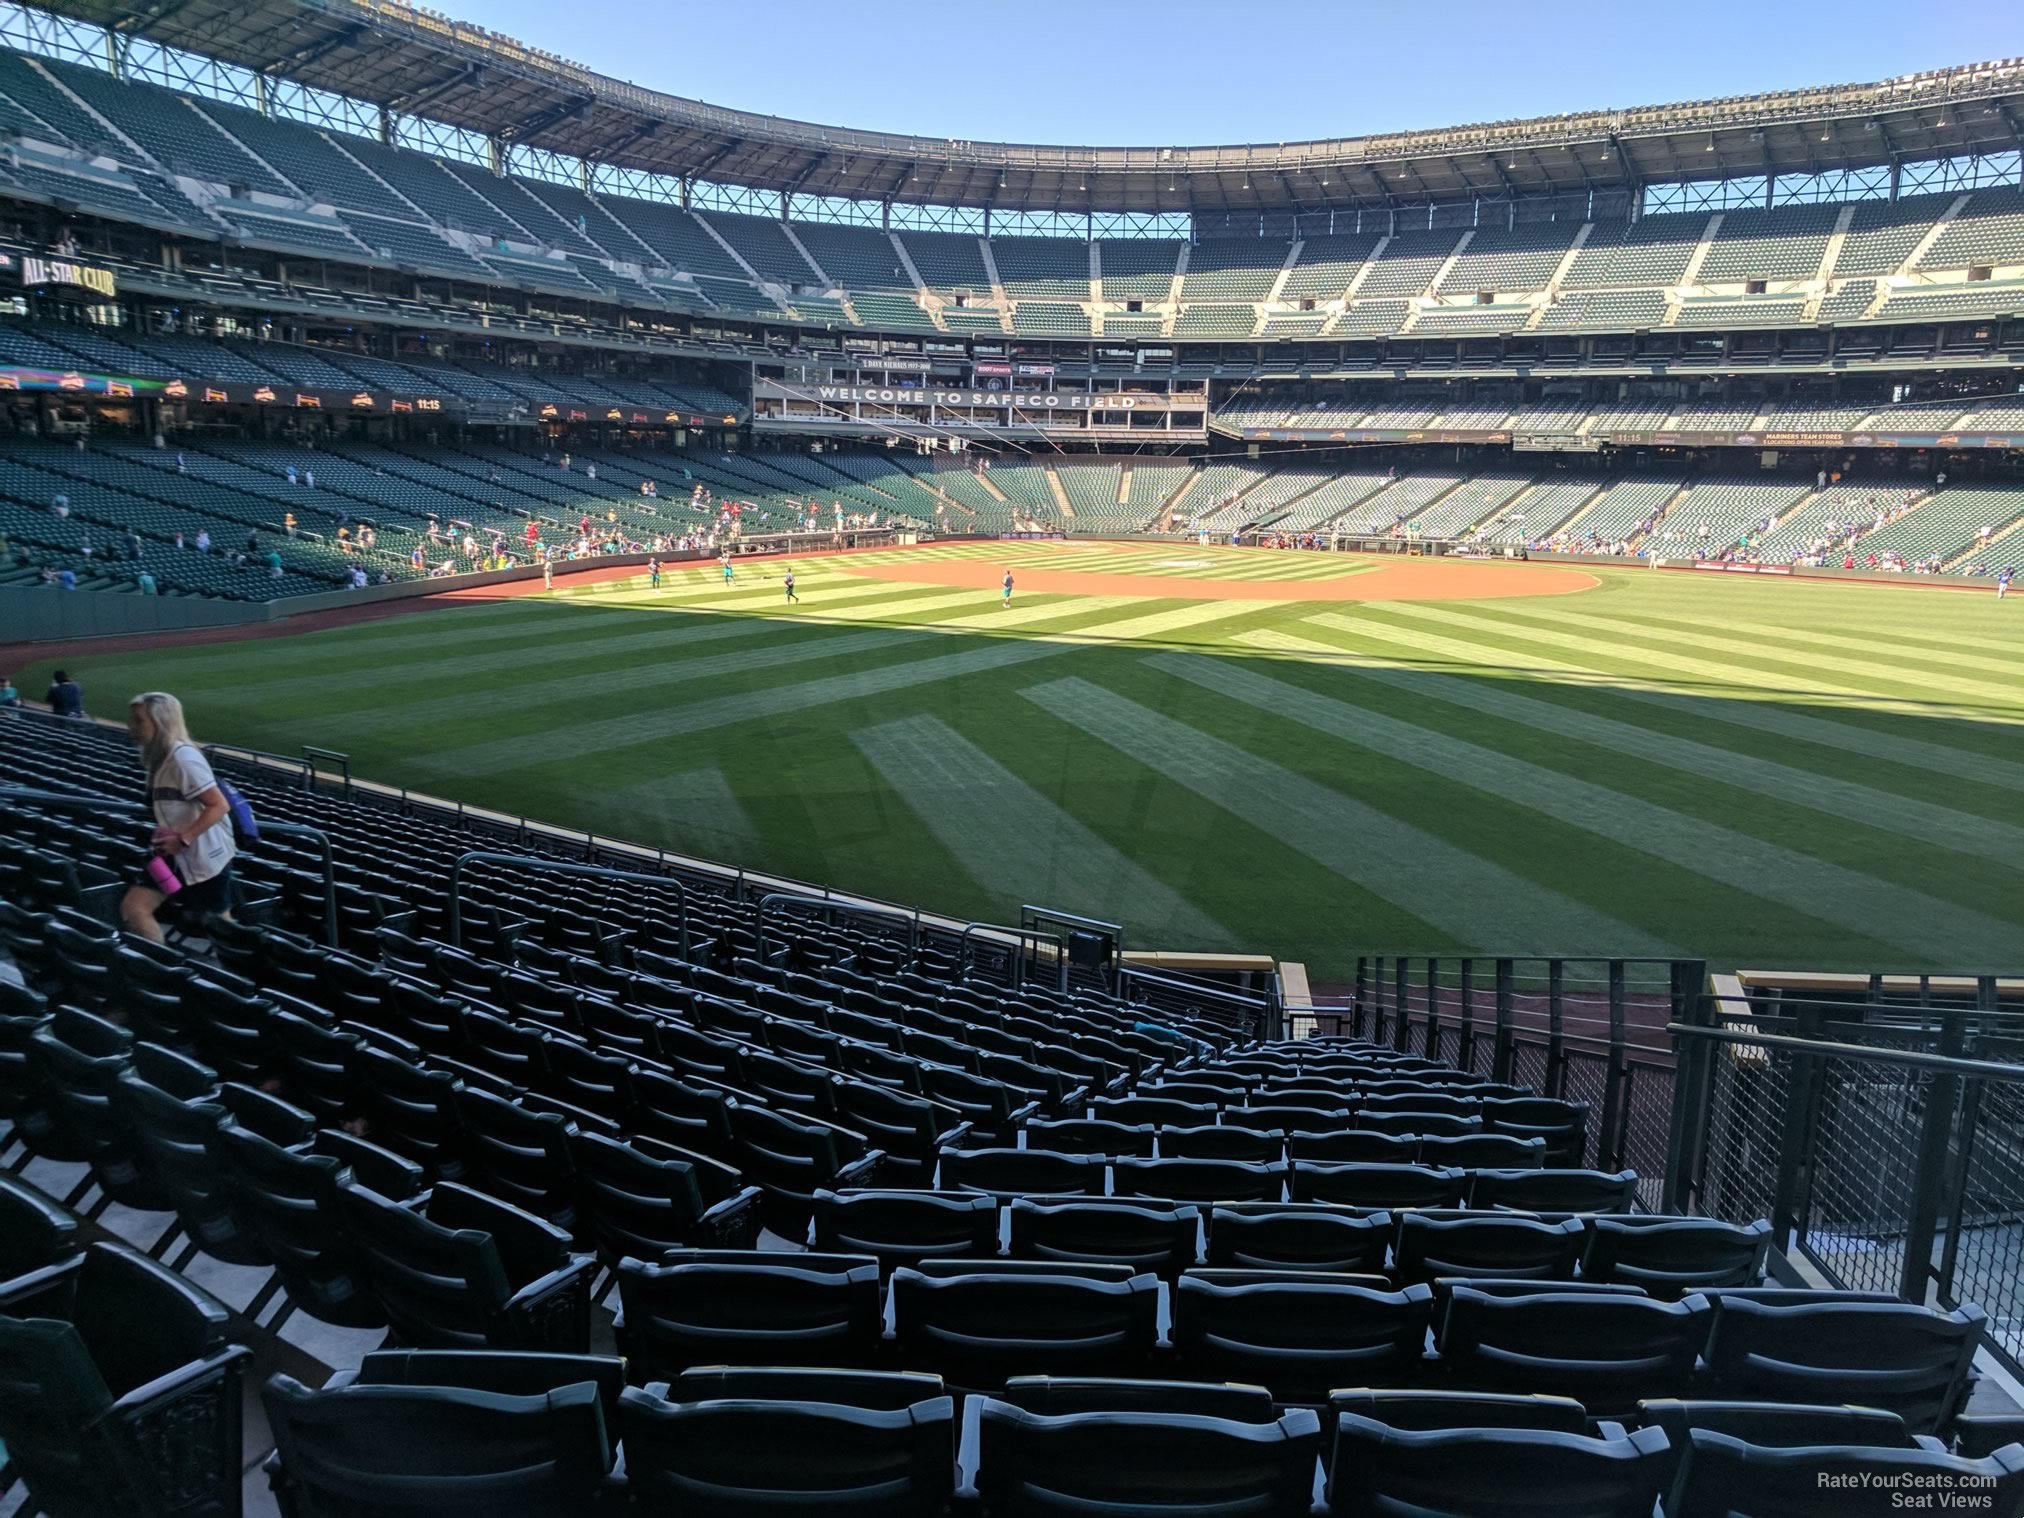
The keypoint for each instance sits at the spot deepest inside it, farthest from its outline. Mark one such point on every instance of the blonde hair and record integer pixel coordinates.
(166, 713)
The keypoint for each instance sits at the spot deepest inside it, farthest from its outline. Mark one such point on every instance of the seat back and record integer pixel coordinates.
(395, 1451)
(1031, 1465)
(441, 1288)
(1495, 1248)
(1669, 1257)
(1300, 1337)
(1083, 1135)
(1554, 1190)
(1359, 1185)
(1911, 1360)
(1378, 1468)
(1720, 1475)
(1146, 1235)
(747, 1307)
(632, 1203)
(788, 1457)
(1011, 1173)
(35, 1230)
(1299, 1236)
(1192, 1180)
(906, 1227)
(979, 1328)
(1603, 1349)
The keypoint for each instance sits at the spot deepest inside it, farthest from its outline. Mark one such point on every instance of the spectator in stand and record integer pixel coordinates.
(288, 523)
(146, 582)
(65, 697)
(66, 579)
(192, 831)
(203, 540)
(309, 479)
(60, 504)
(274, 563)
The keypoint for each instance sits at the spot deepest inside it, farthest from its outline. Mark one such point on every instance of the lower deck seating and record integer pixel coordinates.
(1193, 1268)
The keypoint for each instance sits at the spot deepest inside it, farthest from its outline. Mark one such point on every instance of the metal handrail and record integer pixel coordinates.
(831, 904)
(300, 830)
(1020, 937)
(556, 867)
(1863, 1053)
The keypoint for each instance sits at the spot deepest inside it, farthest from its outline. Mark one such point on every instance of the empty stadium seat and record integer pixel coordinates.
(1031, 1465)
(1553, 1190)
(1155, 1236)
(1720, 1475)
(1910, 1360)
(1605, 1351)
(1672, 1256)
(977, 1324)
(122, 1389)
(467, 1270)
(403, 1451)
(906, 1227)
(790, 1456)
(1299, 1337)
(1299, 1236)
(1378, 1468)
(740, 1307)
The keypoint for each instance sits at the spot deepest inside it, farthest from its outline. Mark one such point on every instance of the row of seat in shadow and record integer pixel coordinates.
(136, 1379)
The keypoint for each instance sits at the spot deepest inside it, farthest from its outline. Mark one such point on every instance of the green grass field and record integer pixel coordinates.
(1770, 774)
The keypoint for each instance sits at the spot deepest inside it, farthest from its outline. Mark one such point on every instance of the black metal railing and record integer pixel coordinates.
(1590, 1030)
(1883, 1137)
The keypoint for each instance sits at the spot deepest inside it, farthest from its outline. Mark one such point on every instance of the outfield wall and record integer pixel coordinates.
(43, 614)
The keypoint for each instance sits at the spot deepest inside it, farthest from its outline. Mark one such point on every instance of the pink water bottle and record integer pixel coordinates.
(166, 880)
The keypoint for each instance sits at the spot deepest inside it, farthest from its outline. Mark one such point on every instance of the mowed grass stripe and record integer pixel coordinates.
(1754, 714)
(1011, 840)
(1908, 816)
(595, 681)
(1879, 910)
(1882, 673)
(1605, 652)
(1459, 894)
(496, 756)
(666, 632)
(1891, 646)
(530, 618)
(695, 812)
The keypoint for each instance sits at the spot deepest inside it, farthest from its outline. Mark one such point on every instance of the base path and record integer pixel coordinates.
(1403, 579)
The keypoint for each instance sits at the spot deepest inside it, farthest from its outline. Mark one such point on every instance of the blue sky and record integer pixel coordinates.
(1202, 71)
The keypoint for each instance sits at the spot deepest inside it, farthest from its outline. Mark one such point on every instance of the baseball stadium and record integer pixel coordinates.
(1321, 828)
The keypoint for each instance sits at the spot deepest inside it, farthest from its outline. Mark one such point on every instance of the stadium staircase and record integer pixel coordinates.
(1061, 502)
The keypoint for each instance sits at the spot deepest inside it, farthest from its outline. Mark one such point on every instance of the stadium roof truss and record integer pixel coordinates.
(416, 62)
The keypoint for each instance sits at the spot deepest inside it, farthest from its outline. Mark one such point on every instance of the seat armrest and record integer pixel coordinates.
(733, 1223)
(957, 1137)
(860, 1172)
(552, 1313)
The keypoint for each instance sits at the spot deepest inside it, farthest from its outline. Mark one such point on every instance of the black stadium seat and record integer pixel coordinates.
(1378, 1468)
(1031, 1465)
(1719, 1476)
(1144, 1234)
(794, 1456)
(979, 1323)
(405, 1451)
(746, 1307)
(1299, 1236)
(1605, 1351)
(1301, 1336)
(468, 1271)
(121, 1389)
(906, 1227)
(1910, 1360)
